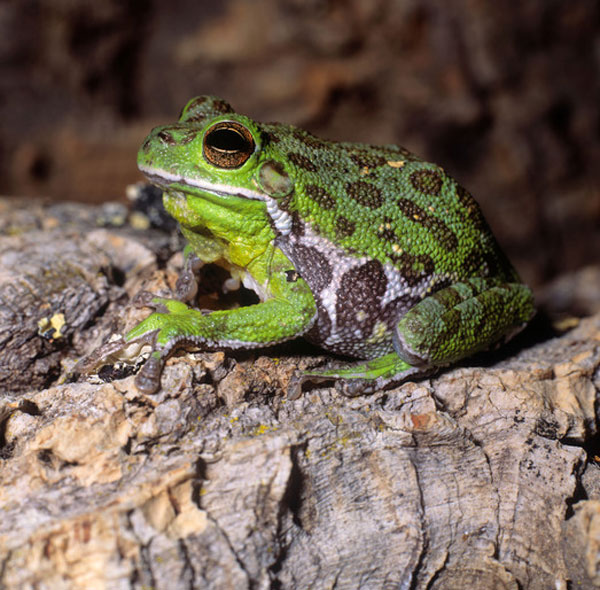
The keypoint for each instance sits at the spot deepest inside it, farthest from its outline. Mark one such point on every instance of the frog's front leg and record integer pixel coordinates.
(288, 313)
(445, 327)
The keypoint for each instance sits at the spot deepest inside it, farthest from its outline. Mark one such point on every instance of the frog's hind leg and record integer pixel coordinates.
(360, 378)
(443, 328)
(462, 319)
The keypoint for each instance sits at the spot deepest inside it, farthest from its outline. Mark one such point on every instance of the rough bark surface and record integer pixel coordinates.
(483, 477)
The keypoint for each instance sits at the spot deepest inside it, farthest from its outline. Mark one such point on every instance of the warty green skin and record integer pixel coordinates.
(367, 251)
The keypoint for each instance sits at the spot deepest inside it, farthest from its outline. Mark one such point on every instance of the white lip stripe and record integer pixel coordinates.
(282, 221)
(219, 189)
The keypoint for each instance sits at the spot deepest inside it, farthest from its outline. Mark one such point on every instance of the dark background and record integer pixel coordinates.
(503, 94)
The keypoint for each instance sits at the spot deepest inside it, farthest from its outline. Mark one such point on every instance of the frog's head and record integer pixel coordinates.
(214, 158)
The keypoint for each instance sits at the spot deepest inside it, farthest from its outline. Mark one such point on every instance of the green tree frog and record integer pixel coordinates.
(368, 252)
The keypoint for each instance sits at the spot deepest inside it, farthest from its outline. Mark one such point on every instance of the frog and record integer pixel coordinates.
(369, 252)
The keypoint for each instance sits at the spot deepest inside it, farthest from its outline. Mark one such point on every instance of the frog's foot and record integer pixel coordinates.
(360, 378)
(117, 349)
(147, 299)
(171, 324)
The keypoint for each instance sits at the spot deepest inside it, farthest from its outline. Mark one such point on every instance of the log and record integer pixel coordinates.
(481, 477)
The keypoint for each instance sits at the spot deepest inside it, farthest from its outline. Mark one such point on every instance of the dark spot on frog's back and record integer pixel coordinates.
(344, 228)
(414, 269)
(437, 228)
(320, 196)
(308, 139)
(472, 208)
(361, 290)
(385, 230)
(301, 161)
(313, 266)
(197, 102)
(365, 194)
(270, 137)
(429, 182)
(221, 106)
(367, 159)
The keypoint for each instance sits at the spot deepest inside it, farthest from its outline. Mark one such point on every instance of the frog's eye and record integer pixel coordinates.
(228, 144)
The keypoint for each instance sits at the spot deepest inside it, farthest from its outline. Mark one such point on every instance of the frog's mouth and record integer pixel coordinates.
(179, 184)
(166, 180)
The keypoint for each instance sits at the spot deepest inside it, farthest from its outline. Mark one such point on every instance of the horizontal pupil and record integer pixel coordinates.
(227, 140)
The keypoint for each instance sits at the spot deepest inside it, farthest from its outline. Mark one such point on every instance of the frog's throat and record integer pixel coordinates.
(163, 179)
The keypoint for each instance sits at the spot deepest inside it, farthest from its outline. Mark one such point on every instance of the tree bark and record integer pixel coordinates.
(482, 477)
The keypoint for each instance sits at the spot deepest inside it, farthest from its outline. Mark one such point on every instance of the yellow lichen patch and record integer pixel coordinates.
(261, 429)
(396, 164)
(51, 327)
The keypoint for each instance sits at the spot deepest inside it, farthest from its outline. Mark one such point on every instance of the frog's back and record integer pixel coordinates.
(386, 204)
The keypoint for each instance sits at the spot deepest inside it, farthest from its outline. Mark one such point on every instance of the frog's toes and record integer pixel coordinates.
(294, 388)
(148, 379)
(113, 351)
(346, 387)
(144, 299)
(186, 287)
(355, 387)
(99, 356)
